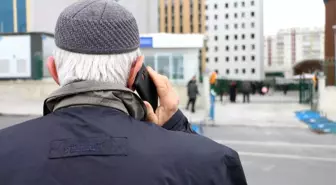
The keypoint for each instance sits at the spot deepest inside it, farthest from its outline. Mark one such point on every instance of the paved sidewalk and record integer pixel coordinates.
(21, 107)
(257, 113)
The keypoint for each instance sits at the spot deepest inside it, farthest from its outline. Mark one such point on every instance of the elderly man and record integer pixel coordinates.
(94, 129)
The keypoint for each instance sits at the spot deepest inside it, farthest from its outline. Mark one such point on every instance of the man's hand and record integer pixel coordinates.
(168, 100)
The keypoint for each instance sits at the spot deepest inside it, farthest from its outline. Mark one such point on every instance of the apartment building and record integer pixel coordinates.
(235, 38)
(291, 46)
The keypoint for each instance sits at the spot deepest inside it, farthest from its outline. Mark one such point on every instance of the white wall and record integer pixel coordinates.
(145, 12)
(15, 56)
(327, 99)
(44, 14)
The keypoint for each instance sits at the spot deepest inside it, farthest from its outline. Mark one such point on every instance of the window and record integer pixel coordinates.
(253, 70)
(178, 67)
(227, 59)
(252, 36)
(252, 24)
(236, 58)
(235, 15)
(235, 4)
(244, 71)
(150, 61)
(243, 36)
(207, 59)
(226, 16)
(206, 17)
(236, 37)
(227, 48)
(216, 17)
(216, 59)
(216, 48)
(216, 38)
(206, 28)
(252, 3)
(206, 48)
(243, 47)
(227, 26)
(226, 37)
(253, 58)
(163, 66)
(243, 58)
(235, 47)
(243, 14)
(215, 6)
(235, 26)
(226, 5)
(252, 14)
(236, 71)
(228, 71)
(253, 47)
(206, 7)
(215, 27)
(243, 4)
(243, 25)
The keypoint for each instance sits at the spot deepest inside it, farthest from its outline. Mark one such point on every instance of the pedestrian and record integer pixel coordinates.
(213, 84)
(246, 89)
(233, 92)
(95, 128)
(285, 89)
(192, 94)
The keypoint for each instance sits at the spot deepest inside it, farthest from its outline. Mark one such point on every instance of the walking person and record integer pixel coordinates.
(233, 92)
(246, 90)
(192, 94)
(213, 84)
(285, 89)
(96, 130)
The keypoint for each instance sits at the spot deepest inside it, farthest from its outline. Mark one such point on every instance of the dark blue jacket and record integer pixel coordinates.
(102, 146)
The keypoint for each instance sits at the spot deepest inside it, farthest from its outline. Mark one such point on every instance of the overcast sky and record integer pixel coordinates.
(282, 14)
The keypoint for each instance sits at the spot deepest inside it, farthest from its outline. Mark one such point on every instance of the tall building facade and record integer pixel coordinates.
(183, 17)
(291, 46)
(13, 16)
(235, 38)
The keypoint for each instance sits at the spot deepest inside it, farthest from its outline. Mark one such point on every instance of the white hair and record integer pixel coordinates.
(106, 68)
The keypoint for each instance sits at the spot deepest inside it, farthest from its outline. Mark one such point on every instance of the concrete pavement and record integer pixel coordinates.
(258, 113)
(263, 111)
(279, 156)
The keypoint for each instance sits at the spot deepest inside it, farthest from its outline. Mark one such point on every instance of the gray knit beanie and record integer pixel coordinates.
(97, 27)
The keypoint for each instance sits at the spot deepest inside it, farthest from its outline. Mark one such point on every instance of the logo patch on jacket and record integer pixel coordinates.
(105, 146)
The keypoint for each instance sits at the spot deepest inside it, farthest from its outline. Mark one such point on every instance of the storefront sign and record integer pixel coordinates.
(146, 42)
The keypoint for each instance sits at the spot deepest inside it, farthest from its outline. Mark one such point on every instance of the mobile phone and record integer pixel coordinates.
(145, 87)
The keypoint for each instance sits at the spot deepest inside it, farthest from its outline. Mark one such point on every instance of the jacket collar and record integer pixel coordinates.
(91, 93)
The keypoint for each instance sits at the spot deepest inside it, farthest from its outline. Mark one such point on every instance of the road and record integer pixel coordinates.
(277, 156)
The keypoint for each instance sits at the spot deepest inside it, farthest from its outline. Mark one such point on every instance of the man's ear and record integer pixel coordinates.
(52, 69)
(136, 66)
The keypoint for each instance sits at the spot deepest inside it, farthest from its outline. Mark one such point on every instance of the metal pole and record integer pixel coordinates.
(1, 27)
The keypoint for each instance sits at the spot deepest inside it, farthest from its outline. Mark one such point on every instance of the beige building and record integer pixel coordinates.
(183, 17)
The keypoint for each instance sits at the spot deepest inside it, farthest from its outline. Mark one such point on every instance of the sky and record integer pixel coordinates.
(283, 14)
